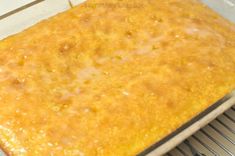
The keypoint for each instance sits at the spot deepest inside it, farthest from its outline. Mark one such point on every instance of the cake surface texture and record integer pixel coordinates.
(110, 78)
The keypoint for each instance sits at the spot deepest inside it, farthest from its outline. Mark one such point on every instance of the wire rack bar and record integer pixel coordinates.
(205, 145)
(181, 151)
(226, 126)
(229, 117)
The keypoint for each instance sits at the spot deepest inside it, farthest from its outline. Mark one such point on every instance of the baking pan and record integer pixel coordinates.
(12, 24)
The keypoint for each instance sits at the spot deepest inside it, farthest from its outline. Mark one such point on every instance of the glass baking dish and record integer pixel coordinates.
(12, 23)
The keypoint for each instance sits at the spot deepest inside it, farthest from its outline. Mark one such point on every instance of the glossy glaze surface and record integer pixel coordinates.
(111, 78)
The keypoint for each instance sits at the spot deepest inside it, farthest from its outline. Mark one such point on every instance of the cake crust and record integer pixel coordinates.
(111, 78)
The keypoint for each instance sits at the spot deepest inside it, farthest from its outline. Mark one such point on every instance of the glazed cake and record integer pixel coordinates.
(110, 78)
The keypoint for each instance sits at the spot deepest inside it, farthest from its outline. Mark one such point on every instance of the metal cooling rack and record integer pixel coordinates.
(215, 139)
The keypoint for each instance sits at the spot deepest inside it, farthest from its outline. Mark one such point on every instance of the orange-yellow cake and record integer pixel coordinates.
(110, 78)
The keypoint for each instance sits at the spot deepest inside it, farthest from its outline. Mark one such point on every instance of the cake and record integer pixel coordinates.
(110, 78)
